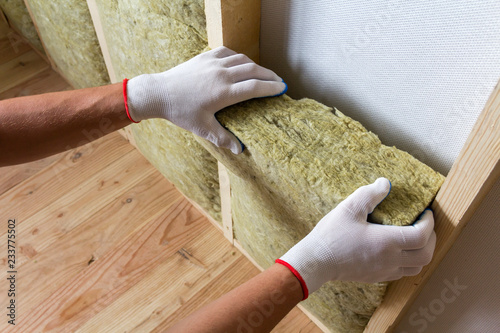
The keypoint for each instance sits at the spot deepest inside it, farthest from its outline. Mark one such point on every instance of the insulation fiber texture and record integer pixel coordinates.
(301, 160)
(68, 33)
(154, 36)
(20, 19)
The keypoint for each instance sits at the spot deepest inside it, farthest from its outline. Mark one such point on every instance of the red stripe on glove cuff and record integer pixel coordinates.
(305, 291)
(125, 99)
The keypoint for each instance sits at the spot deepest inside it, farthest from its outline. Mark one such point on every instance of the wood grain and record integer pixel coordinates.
(123, 266)
(46, 81)
(471, 177)
(225, 198)
(47, 186)
(18, 70)
(235, 24)
(13, 175)
(46, 226)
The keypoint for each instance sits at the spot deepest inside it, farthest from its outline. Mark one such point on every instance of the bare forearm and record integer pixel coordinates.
(34, 127)
(257, 305)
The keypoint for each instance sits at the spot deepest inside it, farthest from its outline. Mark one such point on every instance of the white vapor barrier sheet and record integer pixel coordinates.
(417, 73)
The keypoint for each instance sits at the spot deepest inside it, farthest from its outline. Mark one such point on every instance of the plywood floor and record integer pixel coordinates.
(104, 242)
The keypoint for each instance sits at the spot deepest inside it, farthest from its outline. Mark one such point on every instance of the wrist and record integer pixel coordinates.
(311, 262)
(147, 97)
(125, 97)
(288, 282)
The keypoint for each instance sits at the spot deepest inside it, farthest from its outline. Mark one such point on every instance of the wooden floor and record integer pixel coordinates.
(104, 242)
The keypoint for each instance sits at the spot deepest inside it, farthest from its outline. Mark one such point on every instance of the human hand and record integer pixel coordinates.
(190, 94)
(344, 246)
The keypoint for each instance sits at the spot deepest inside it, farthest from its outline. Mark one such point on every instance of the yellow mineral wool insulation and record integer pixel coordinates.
(20, 19)
(302, 159)
(68, 33)
(152, 36)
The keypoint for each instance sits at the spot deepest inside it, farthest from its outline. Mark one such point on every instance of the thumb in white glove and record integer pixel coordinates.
(190, 94)
(344, 246)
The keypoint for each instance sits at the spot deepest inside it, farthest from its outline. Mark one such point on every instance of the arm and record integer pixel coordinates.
(342, 246)
(188, 95)
(34, 127)
(255, 306)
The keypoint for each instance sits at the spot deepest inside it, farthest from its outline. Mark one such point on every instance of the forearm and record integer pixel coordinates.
(34, 127)
(258, 305)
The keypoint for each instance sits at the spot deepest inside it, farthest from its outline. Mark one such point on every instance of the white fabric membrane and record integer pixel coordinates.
(417, 73)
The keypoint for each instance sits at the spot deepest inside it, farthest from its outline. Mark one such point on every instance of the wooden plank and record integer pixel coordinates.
(11, 176)
(78, 204)
(236, 274)
(127, 133)
(46, 81)
(235, 24)
(110, 229)
(321, 327)
(187, 272)
(475, 171)
(225, 198)
(21, 69)
(96, 19)
(127, 263)
(45, 187)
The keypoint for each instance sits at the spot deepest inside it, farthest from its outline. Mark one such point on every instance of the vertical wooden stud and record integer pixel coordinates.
(96, 19)
(234, 24)
(225, 194)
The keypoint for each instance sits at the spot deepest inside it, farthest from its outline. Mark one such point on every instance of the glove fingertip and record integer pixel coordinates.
(384, 186)
(283, 91)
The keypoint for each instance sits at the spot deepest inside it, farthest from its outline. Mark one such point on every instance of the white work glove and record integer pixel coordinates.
(190, 94)
(344, 246)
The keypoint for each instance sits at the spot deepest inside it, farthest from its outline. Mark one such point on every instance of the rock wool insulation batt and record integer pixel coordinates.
(68, 33)
(154, 36)
(18, 16)
(301, 160)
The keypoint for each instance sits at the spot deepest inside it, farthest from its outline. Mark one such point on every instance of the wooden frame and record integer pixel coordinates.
(236, 24)
(47, 56)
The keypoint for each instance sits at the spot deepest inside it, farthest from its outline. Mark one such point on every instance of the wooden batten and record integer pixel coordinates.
(225, 198)
(96, 19)
(234, 24)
